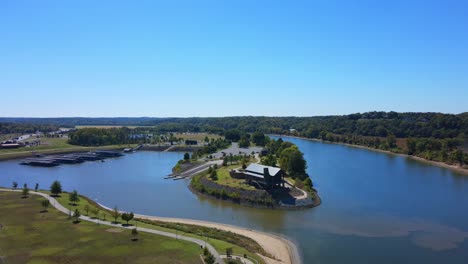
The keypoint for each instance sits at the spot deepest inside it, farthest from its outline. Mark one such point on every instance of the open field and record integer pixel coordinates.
(196, 136)
(29, 236)
(8, 136)
(103, 214)
(46, 143)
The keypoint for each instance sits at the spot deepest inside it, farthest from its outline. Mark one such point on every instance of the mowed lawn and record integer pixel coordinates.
(196, 136)
(29, 236)
(224, 178)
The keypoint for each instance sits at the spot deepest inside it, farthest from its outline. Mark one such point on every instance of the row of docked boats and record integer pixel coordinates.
(73, 158)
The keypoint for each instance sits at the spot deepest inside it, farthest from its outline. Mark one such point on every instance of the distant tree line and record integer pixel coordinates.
(13, 128)
(102, 136)
(380, 124)
(381, 130)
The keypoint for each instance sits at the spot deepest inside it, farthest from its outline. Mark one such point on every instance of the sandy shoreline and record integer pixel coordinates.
(435, 163)
(282, 249)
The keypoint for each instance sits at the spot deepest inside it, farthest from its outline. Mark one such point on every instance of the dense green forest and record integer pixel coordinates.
(381, 124)
(101, 136)
(434, 136)
(18, 128)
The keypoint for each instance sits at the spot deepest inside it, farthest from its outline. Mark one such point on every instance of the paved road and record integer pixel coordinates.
(169, 148)
(193, 171)
(61, 208)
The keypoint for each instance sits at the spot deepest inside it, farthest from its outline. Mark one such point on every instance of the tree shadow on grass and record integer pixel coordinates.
(76, 222)
(43, 211)
(127, 225)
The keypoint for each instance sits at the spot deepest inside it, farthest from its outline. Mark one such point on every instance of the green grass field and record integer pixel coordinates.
(224, 178)
(29, 236)
(219, 245)
(46, 143)
(196, 136)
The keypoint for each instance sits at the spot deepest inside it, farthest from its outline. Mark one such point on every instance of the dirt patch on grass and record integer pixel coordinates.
(115, 230)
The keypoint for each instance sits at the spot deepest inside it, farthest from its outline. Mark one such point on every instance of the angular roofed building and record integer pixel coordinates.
(266, 176)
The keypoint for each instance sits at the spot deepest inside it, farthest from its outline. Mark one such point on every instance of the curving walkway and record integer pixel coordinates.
(242, 259)
(61, 208)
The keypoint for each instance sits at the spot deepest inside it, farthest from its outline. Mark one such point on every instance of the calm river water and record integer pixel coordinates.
(377, 208)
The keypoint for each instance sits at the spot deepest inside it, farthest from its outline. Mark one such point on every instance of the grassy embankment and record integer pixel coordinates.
(51, 146)
(219, 239)
(224, 178)
(29, 236)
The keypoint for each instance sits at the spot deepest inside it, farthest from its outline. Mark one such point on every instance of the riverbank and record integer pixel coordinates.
(455, 168)
(244, 198)
(29, 153)
(283, 250)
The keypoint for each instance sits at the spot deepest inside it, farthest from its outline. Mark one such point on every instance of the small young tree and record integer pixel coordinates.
(95, 211)
(229, 252)
(308, 183)
(45, 203)
(36, 187)
(15, 185)
(25, 191)
(115, 214)
(74, 197)
(56, 188)
(186, 156)
(86, 208)
(76, 215)
(127, 217)
(210, 169)
(134, 234)
(214, 175)
(209, 259)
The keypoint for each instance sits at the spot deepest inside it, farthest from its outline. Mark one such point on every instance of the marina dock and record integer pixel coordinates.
(73, 158)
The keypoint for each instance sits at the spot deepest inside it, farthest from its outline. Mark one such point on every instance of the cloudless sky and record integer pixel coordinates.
(224, 58)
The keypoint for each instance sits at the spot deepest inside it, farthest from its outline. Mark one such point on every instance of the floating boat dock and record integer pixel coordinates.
(55, 160)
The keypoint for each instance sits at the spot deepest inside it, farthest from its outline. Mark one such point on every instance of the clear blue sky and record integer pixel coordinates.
(224, 58)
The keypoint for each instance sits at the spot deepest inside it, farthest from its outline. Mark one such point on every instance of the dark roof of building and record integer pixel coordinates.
(257, 170)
